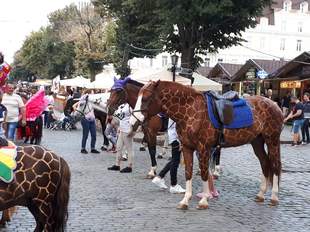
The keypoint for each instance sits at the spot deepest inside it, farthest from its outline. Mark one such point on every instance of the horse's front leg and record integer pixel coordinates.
(188, 160)
(204, 171)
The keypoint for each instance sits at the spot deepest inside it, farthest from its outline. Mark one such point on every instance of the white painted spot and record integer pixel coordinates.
(263, 187)
(206, 193)
(137, 114)
(188, 193)
(275, 188)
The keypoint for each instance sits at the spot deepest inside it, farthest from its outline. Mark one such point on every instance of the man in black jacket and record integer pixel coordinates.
(305, 126)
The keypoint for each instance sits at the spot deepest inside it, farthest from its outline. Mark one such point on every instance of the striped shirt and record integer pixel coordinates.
(12, 103)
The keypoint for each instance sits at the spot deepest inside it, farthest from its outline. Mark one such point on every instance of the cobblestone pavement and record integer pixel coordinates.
(110, 201)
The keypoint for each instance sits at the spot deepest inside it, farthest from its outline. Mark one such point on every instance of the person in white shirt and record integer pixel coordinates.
(173, 164)
(124, 141)
(15, 111)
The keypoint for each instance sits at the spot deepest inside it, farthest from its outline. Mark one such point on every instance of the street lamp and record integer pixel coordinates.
(174, 62)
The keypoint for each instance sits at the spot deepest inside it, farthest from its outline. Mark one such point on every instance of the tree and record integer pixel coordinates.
(189, 27)
(44, 55)
(137, 26)
(84, 27)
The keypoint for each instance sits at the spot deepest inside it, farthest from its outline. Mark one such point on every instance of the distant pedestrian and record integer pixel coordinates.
(285, 103)
(297, 116)
(305, 126)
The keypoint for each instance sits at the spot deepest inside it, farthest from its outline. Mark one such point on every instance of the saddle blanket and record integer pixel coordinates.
(242, 114)
(7, 162)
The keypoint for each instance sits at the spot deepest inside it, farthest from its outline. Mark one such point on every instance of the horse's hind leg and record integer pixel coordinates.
(259, 150)
(273, 145)
(204, 172)
(38, 217)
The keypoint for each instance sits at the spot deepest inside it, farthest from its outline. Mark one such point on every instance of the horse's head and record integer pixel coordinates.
(148, 104)
(118, 95)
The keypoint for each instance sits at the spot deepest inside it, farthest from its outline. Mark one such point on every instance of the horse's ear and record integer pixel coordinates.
(157, 83)
(115, 79)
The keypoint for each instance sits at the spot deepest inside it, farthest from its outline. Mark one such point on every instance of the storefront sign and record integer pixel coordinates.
(261, 74)
(290, 84)
(250, 74)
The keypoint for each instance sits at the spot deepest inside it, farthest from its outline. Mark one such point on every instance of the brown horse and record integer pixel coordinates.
(41, 184)
(126, 91)
(188, 109)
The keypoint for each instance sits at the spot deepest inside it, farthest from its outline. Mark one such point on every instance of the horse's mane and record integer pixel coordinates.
(136, 83)
(175, 86)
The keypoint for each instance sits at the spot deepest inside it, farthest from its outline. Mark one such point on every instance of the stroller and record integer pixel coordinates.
(59, 121)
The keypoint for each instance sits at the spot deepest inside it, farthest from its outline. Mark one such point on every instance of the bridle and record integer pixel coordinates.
(119, 102)
(86, 105)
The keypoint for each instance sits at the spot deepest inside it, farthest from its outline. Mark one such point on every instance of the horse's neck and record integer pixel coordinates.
(132, 92)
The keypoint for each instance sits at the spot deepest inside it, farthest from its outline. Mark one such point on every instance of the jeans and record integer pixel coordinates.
(305, 131)
(46, 119)
(297, 124)
(173, 164)
(11, 127)
(88, 126)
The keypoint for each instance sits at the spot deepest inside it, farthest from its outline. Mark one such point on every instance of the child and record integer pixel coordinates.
(111, 133)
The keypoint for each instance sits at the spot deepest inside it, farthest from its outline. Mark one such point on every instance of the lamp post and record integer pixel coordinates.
(174, 62)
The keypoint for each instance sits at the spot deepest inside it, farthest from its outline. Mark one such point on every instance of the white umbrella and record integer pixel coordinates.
(202, 83)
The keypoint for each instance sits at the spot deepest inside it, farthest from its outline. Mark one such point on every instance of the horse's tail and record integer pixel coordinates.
(275, 166)
(61, 200)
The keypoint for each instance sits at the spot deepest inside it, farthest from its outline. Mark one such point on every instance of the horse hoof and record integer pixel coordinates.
(202, 207)
(182, 207)
(273, 203)
(160, 157)
(142, 148)
(259, 199)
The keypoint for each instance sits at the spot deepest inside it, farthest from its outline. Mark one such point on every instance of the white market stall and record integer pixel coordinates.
(104, 80)
(78, 81)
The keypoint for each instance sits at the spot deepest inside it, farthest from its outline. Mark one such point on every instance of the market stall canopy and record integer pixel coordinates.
(104, 80)
(153, 75)
(42, 82)
(78, 81)
(202, 83)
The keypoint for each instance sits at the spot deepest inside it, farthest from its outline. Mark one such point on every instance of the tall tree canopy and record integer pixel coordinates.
(138, 25)
(189, 27)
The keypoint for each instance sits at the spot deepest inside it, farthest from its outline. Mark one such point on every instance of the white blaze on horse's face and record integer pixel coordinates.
(137, 114)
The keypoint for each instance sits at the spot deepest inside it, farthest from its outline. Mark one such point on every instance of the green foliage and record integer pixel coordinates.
(137, 26)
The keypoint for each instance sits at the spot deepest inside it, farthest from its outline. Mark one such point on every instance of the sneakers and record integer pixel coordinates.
(114, 168)
(177, 189)
(95, 151)
(126, 170)
(84, 151)
(159, 182)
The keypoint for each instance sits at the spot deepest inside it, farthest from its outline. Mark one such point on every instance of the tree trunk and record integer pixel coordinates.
(92, 74)
(187, 58)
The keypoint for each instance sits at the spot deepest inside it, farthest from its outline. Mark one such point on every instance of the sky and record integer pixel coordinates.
(18, 18)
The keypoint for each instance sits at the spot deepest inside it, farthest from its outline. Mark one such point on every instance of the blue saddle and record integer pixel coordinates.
(242, 113)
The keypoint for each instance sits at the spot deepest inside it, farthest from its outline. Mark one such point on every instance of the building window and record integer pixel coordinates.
(282, 44)
(283, 26)
(262, 42)
(287, 5)
(164, 61)
(220, 60)
(298, 47)
(207, 62)
(303, 7)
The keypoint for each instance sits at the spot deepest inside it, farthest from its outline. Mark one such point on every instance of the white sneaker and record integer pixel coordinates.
(177, 189)
(159, 182)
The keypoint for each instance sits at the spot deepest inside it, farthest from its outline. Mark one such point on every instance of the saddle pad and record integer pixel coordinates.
(242, 115)
(8, 162)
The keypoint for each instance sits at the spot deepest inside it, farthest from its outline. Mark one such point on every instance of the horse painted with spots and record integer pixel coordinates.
(188, 109)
